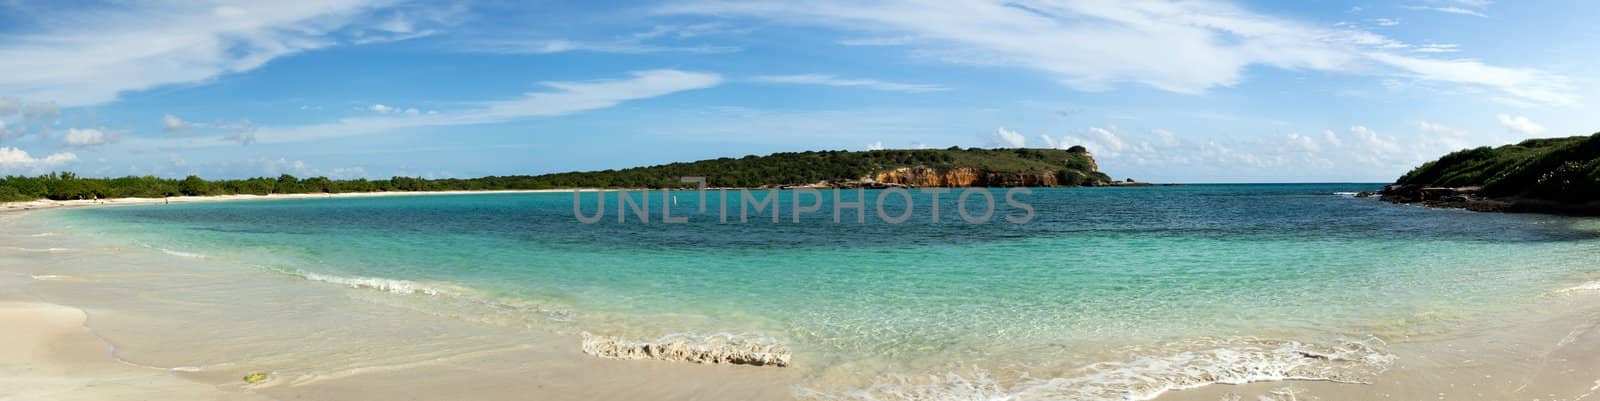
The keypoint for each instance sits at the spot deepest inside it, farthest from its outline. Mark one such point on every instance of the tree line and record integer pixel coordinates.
(790, 168)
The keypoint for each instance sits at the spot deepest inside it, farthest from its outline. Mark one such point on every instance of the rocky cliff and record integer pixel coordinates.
(971, 177)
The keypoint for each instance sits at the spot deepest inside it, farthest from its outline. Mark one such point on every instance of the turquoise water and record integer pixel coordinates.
(1096, 267)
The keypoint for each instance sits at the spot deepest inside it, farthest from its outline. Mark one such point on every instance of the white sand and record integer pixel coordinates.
(47, 354)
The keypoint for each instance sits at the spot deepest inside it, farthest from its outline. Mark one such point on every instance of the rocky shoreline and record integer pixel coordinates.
(1471, 198)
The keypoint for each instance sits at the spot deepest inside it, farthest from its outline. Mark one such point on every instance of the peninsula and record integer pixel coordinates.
(1553, 175)
(952, 167)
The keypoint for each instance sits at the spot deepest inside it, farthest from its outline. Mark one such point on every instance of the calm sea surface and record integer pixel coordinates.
(1095, 269)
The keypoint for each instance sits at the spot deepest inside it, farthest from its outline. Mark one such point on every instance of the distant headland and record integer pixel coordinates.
(905, 168)
(1554, 175)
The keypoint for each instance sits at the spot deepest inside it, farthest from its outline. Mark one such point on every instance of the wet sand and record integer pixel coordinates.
(86, 321)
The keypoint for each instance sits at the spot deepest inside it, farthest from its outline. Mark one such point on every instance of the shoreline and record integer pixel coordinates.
(1469, 198)
(42, 204)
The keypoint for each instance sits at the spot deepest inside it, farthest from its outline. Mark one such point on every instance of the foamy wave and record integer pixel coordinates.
(1154, 372)
(381, 284)
(1589, 286)
(182, 254)
(716, 348)
(44, 235)
(49, 277)
(50, 250)
(1346, 194)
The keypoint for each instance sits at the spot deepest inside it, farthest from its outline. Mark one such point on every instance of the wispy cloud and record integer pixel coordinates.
(659, 39)
(829, 80)
(1524, 84)
(90, 56)
(1460, 7)
(552, 46)
(1520, 125)
(1185, 47)
(1437, 48)
(563, 98)
(1440, 129)
(894, 41)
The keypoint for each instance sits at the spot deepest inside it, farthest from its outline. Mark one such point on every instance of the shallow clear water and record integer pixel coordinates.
(1096, 268)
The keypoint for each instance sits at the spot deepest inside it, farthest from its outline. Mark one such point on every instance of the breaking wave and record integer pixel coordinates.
(1152, 372)
(479, 306)
(392, 286)
(181, 254)
(46, 250)
(714, 349)
(1589, 286)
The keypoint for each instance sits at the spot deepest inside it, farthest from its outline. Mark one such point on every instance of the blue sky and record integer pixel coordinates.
(1174, 91)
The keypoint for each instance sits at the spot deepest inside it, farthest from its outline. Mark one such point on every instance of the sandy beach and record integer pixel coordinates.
(52, 204)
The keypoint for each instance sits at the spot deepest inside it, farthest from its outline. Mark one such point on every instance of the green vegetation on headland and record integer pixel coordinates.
(1558, 175)
(876, 168)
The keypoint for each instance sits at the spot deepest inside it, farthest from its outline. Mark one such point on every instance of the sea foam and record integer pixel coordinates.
(182, 254)
(1148, 374)
(716, 348)
(1589, 286)
(381, 284)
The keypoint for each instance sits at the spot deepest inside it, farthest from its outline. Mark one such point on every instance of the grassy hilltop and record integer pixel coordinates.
(1536, 172)
(1072, 167)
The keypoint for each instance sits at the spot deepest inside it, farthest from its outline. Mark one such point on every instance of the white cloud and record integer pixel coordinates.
(380, 108)
(171, 124)
(86, 56)
(1437, 48)
(1087, 45)
(242, 132)
(1520, 125)
(894, 41)
(829, 80)
(1095, 45)
(875, 145)
(1303, 143)
(1332, 138)
(640, 43)
(1004, 138)
(1048, 141)
(1441, 129)
(16, 160)
(88, 137)
(1524, 84)
(1453, 10)
(563, 98)
(1386, 22)
(1373, 143)
(1167, 137)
